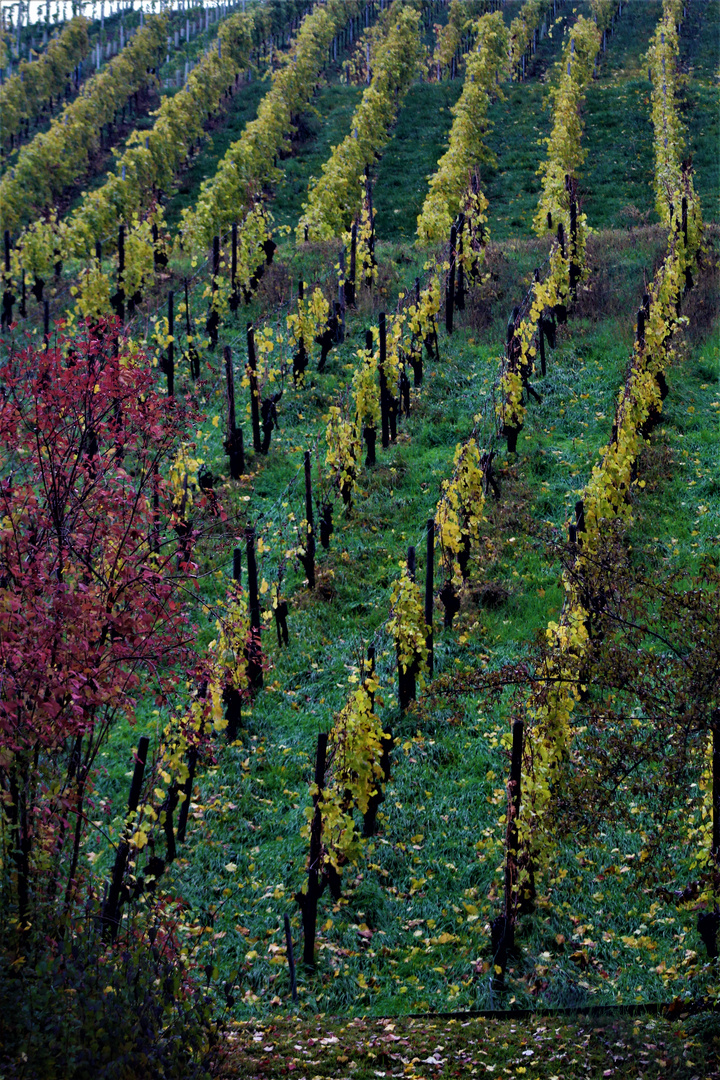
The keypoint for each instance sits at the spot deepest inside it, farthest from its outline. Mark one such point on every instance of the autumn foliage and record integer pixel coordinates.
(90, 599)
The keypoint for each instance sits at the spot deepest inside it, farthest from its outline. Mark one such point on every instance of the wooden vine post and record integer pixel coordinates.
(429, 574)
(503, 928)
(254, 392)
(309, 558)
(170, 359)
(234, 298)
(254, 652)
(511, 432)
(369, 431)
(450, 287)
(407, 688)
(460, 297)
(234, 442)
(561, 309)
(384, 404)
(233, 701)
(186, 791)
(300, 360)
(541, 335)
(193, 354)
(350, 280)
(110, 915)
(574, 268)
(309, 900)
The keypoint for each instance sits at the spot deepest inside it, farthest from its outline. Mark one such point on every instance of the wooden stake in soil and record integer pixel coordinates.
(309, 900)
(234, 443)
(111, 908)
(254, 653)
(300, 360)
(460, 296)
(541, 343)
(254, 392)
(503, 928)
(407, 689)
(231, 696)
(369, 430)
(213, 320)
(234, 298)
(187, 792)
(170, 359)
(384, 404)
(429, 574)
(193, 354)
(450, 288)
(350, 282)
(574, 269)
(309, 557)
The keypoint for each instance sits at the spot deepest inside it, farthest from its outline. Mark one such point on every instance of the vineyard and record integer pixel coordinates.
(359, 564)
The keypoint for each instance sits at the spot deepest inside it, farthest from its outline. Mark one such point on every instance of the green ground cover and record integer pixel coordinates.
(411, 931)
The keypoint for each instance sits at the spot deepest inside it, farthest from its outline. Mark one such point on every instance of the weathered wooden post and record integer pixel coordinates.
(254, 392)
(407, 689)
(574, 269)
(234, 298)
(231, 696)
(254, 649)
(350, 282)
(541, 344)
(309, 559)
(170, 359)
(234, 443)
(110, 915)
(429, 588)
(384, 404)
(186, 790)
(369, 430)
(450, 287)
(460, 266)
(503, 928)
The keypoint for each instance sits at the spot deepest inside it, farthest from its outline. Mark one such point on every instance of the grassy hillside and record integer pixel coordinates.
(411, 930)
(410, 935)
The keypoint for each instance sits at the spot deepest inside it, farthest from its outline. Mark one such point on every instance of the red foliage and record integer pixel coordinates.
(90, 580)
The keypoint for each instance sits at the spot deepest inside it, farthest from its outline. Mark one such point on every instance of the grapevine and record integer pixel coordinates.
(333, 199)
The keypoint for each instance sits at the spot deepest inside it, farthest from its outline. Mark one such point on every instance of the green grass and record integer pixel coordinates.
(411, 931)
(242, 108)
